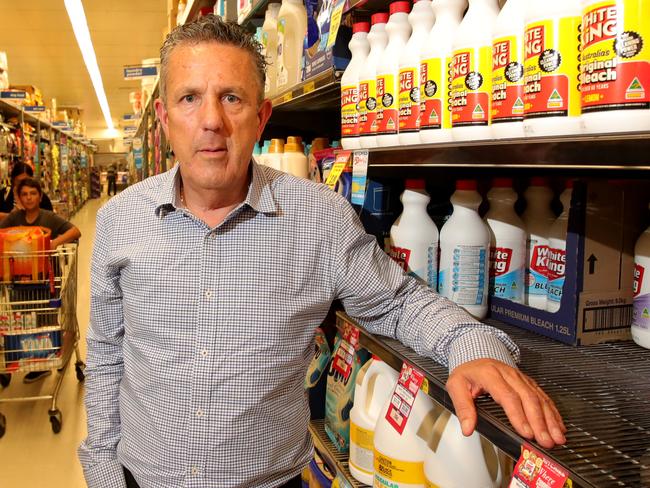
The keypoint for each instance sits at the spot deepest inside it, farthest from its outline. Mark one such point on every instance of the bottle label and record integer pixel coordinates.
(639, 272)
(403, 397)
(551, 52)
(507, 80)
(409, 100)
(387, 113)
(435, 112)
(390, 471)
(361, 448)
(427, 272)
(615, 56)
(401, 256)
(367, 107)
(282, 74)
(505, 282)
(464, 283)
(556, 268)
(641, 312)
(537, 270)
(349, 116)
(471, 86)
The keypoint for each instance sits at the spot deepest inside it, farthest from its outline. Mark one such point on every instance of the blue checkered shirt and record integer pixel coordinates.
(200, 337)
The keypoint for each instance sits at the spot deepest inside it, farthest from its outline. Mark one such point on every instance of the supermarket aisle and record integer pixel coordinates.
(31, 455)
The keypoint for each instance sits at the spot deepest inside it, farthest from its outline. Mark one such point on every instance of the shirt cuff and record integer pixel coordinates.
(478, 344)
(109, 474)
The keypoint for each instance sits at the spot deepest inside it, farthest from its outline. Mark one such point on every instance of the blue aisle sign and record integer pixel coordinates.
(21, 95)
(35, 108)
(137, 72)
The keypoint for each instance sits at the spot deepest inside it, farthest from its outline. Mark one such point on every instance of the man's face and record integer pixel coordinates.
(212, 117)
(30, 198)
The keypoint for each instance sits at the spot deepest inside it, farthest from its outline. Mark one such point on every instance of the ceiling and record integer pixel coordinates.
(42, 51)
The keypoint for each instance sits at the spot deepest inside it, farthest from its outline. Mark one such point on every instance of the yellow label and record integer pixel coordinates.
(434, 94)
(335, 174)
(362, 437)
(425, 386)
(287, 97)
(309, 87)
(471, 86)
(335, 22)
(361, 448)
(367, 96)
(551, 52)
(387, 113)
(389, 471)
(349, 115)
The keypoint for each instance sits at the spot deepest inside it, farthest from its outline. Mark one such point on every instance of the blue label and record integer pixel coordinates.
(509, 286)
(537, 283)
(466, 284)
(555, 289)
(140, 72)
(35, 108)
(13, 94)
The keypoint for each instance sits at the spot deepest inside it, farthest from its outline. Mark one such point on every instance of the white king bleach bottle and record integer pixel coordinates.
(641, 317)
(557, 252)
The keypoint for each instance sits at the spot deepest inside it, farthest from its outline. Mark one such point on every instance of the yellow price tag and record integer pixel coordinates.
(335, 22)
(335, 174)
(425, 386)
(309, 87)
(287, 97)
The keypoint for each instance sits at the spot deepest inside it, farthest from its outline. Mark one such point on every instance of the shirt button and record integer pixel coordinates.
(208, 293)
(204, 353)
(194, 470)
(199, 413)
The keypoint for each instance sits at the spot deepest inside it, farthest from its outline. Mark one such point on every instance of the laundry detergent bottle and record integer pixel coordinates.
(464, 252)
(557, 252)
(292, 27)
(435, 66)
(270, 45)
(359, 47)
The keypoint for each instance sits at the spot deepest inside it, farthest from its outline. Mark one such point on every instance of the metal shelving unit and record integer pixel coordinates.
(322, 91)
(601, 390)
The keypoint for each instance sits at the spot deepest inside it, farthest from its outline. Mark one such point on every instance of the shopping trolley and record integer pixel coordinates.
(38, 320)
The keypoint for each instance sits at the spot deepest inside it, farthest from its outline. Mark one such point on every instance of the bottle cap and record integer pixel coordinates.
(400, 7)
(294, 144)
(319, 143)
(414, 184)
(294, 140)
(538, 181)
(466, 185)
(379, 18)
(360, 27)
(502, 183)
(276, 146)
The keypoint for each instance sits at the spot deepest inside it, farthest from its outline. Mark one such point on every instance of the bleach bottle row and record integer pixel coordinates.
(641, 291)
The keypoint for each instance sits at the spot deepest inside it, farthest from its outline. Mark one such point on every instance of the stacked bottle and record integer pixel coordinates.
(359, 47)
(270, 47)
(557, 252)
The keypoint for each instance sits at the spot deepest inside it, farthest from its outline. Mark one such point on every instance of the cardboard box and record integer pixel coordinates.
(605, 220)
(326, 37)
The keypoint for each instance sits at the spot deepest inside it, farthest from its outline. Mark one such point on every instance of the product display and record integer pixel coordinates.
(360, 48)
(557, 252)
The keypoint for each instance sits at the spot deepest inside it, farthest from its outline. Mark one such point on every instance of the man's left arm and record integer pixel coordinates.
(481, 359)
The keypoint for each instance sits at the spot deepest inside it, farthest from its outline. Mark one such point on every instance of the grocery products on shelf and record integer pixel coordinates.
(641, 290)
(359, 47)
(270, 45)
(557, 252)
(292, 26)
(294, 160)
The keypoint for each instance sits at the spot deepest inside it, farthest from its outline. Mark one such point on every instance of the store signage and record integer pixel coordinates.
(359, 176)
(14, 94)
(138, 72)
(129, 117)
(35, 108)
(130, 130)
(137, 152)
(59, 124)
(535, 470)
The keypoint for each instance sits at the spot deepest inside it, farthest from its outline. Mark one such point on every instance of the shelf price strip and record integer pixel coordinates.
(534, 470)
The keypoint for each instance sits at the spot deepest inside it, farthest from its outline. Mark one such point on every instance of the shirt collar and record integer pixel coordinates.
(259, 197)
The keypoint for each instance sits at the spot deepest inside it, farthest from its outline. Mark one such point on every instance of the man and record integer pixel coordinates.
(209, 280)
(111, 177)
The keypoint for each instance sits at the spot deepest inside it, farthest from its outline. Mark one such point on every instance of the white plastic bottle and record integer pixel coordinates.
(399, 31)
(538, 218)
(615, 78)
(641, 315)
(359, 47)
(557, 252)
(374, 384)
(378, 39)
(294, 160)
(449, 449)
(414, 236)
(399, 459)
(274, 156)
(292, 27)
(551, 76)
(508, 71)
(435, 66)
(421, 20)
(270, 45)
(471, 72)
(507, 242)
(464, 252)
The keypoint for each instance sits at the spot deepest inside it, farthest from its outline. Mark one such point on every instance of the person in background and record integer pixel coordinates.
(9, 200)
(209, 281)
(111, 177)
(30, 196)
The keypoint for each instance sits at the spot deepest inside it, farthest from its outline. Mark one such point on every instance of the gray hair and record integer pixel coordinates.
(211, 28)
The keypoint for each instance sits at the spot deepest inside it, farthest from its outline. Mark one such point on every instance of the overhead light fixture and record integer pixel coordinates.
(80, 27)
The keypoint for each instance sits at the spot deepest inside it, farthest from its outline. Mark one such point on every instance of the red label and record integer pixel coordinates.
(533, 470)
(349, 116)
(500, 258)
(623, 85)
(547, 96)
(387, 107)
(403, 398)
(599, 25)
(556, 263)
(409, 101)
(344, 357)
(366, 109)
(401, 256)
(534, 41)
(539, 260)
(500, 54)
(639, 271)
(470, 109)
(460, 65)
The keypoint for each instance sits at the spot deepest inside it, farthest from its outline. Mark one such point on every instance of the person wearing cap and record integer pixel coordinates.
(209, 281)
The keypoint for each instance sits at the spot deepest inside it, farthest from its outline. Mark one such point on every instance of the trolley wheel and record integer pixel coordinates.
(3, 425)
(5, 379)
(56, 420)
(79, 369)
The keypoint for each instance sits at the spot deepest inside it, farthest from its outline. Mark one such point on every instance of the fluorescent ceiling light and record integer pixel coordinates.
(80, 27)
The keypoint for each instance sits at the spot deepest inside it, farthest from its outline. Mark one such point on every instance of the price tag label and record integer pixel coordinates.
(309, 87)
(342, 160)
(534, 470)
(287, 97)
(359, 176)
(344, 357)
(335, 22)
(403, 397)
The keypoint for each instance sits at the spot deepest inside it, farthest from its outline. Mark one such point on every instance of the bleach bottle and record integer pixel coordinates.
(421, 20)
(414, 236)
(471, 72)
(367, 94)
(399, 31)
(641, 290)
(359, 47)
(435, 66)
(449, 449)
(292, 27)
(538, 218)
(557, 252)
(375, 382)
(464, 252)
(507, 243)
